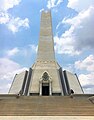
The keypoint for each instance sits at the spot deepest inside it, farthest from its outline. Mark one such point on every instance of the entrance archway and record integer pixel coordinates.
(45, 85)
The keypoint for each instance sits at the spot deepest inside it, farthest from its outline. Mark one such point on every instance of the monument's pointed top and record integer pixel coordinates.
(45, 11)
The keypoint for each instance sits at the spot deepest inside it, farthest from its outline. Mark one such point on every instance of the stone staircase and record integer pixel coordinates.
(78, 105)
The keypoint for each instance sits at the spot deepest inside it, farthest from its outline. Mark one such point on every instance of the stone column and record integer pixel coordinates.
(40, 88)
(50, 87)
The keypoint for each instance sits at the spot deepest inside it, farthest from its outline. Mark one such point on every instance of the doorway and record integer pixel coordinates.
(45, 89)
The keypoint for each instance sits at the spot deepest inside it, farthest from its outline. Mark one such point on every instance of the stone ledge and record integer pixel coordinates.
(46, 117)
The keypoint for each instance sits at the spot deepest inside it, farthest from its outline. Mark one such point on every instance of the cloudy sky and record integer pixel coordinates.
(73, 32)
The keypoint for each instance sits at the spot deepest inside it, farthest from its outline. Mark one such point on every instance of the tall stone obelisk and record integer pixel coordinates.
(45, 64)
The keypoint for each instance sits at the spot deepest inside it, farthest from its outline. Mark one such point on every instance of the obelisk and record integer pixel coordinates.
(45, 63)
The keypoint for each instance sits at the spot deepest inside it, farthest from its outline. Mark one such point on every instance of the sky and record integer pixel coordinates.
(73, 34)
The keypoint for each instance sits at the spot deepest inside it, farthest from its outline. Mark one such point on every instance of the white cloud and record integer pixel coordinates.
(22, 51)
(80, 35)
(86, 80)
(80, 5)
(4, 88)
(33, 47)
(72, 3)
(69, 67)
(53, 3)
(41, 10)
(28, 51)
(89, 90)
(86, 64)
(64, 45)
(7, 4)
(4, 17)
(12, 51)
(7, 66)
(8, 69)
(13, 24)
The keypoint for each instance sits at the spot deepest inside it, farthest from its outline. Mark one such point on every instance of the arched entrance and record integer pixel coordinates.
(45, 85)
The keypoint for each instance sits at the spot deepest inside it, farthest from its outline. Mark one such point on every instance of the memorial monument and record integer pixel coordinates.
(46, 77)
(46, 90)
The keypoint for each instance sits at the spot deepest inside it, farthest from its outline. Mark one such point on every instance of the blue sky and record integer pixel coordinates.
(73, 34)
